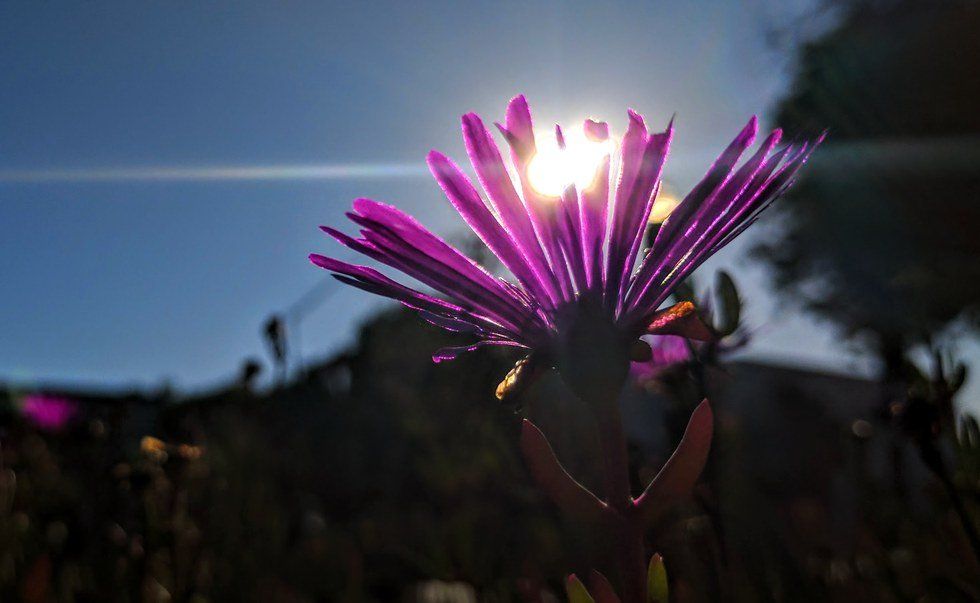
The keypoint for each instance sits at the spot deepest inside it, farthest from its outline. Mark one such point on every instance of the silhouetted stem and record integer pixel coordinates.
(960, 508)
(711, 504)
(930, 455)
(630, 560)
(968, 527)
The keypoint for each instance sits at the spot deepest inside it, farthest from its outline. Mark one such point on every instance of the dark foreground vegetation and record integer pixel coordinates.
(380, 472)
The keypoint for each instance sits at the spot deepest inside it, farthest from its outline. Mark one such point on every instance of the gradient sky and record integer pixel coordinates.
(163, 167)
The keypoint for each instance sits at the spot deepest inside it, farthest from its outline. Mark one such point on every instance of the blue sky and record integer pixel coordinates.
(115, 274)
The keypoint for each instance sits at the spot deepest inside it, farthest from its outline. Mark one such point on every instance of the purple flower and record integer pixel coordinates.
(573, 256)
(666, 352)
(48, 413)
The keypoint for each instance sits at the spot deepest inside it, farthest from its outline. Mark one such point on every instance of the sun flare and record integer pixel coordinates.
(553, 169)
(662, 206)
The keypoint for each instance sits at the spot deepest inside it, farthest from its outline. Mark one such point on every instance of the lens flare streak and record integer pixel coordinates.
(328, 171)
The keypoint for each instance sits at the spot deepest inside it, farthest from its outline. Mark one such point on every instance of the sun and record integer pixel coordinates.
(553, 169)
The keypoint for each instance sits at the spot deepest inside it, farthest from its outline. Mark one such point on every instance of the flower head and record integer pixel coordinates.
(666, 352)
(48, 413)
(573, 256)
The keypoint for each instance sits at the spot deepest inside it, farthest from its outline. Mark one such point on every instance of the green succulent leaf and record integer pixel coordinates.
(730, 306)
(577, 593)
(657, 580)
(685, 291)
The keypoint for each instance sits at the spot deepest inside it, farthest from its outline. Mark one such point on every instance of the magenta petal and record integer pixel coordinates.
(733, 204)
(674, 248)
(543, 211)
(384, 285)
(722, 204)
(593, 209)
(410, 231)
(519, 125)
(373, 281)
(580, 245)
(406, 245)
(763, 196)
(699, 242)
(495, 179)
(631, 158)
(570, 230)
(452, 324)
(452, 353)
(459, 288)
(716, 175)
(358, 245)
(647, 190)
(643, 158)
(466, 200)
(596, 131)
(755, 198)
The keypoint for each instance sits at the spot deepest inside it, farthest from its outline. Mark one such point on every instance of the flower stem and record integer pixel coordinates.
(627, 529)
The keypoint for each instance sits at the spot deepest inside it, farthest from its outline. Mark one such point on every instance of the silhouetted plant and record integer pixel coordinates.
(579, 307)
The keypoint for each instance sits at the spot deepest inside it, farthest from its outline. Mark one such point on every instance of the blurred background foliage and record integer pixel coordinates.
(380, 476)
(376, 475)
(879, 236)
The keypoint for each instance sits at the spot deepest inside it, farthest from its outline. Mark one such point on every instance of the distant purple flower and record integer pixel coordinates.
(666, 352)
(573, 255)
(48, 413)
